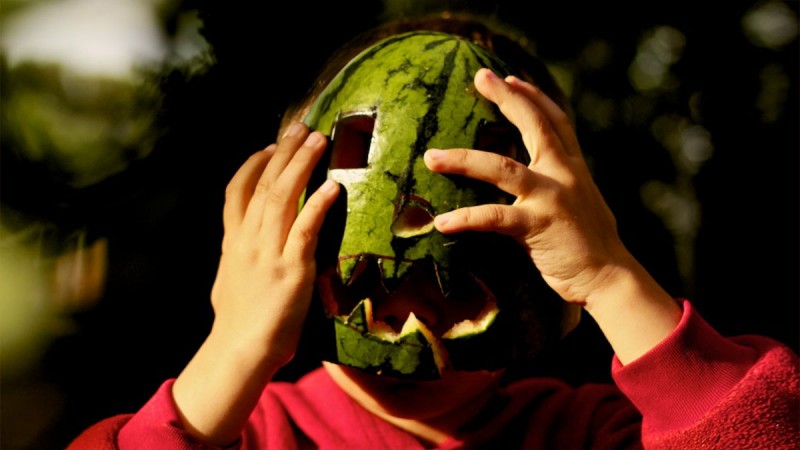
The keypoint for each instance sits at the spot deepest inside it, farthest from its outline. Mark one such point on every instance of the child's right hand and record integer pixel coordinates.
(263, 287)
(266, 271)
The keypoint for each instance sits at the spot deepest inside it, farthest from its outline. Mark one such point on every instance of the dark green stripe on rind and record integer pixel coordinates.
(427, 128)
(324, 102)
(419, 87)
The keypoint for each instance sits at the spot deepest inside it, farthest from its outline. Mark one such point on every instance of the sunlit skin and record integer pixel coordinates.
(559, 217)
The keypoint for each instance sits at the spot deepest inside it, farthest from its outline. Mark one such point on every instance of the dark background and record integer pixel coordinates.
(162, 217)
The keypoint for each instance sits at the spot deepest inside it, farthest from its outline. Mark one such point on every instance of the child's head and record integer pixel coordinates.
(408, 301)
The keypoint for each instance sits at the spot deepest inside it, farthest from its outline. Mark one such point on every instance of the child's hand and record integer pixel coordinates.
(263, 286)
(267, 268)
(559, 215)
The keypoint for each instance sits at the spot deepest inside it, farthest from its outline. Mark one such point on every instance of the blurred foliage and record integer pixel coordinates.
(83, 129)
(81, 144)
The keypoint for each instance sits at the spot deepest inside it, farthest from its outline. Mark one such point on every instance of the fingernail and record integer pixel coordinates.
(441, 220)
(270, 148)
(294, 129)
(313, 140)
(328, 186)
(434, 154)
(491, 75)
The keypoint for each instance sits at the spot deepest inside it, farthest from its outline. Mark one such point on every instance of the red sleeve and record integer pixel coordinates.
(698, 389)
(155, 425)
(102, 435)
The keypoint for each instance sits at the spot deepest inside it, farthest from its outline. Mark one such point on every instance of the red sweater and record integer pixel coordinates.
(694, 390)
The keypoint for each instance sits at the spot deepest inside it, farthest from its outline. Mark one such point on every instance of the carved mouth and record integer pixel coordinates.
(408, 332)
(417, 303)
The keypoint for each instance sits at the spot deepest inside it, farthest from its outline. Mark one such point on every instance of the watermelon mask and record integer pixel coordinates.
(382, 111)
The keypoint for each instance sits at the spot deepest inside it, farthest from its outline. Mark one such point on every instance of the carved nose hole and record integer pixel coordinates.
(412, 221)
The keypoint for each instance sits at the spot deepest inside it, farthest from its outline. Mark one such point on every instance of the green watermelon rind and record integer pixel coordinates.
(488, 348)
(442, 68)
(410, 356)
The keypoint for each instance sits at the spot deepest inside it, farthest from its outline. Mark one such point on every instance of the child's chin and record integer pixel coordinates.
(420, 400)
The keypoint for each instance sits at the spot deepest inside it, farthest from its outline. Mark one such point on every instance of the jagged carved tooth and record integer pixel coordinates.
(368, 312)
(440, 357)
(413, 324)
(480, 323)
(361, 316)
(350, 268)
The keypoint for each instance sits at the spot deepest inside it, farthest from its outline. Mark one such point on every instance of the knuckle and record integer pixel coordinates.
(485, 217)
(540, 124)
(457, 160)
(560, 118)
(464, 215)
(280, 271)
(306, 237)
(494, 215)
(570, 182)
(507, 166)
(262, 187)
(461, 156)
(245, 252)
(276, 195)
(561, 198)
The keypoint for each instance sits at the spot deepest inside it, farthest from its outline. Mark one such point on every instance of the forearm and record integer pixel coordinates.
(217, 391)
(632, 310)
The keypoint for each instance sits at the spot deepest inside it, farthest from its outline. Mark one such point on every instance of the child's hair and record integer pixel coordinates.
(509, 45)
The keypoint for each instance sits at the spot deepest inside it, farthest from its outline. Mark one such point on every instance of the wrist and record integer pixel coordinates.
(633, 311)
(248, 350)
(220, 386)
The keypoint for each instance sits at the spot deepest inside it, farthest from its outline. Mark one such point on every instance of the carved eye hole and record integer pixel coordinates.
(350, 141)
(502, 139)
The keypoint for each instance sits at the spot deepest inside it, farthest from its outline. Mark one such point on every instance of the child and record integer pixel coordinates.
(682, 384)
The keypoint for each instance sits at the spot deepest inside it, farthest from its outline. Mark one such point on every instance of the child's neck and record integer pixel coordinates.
(433, 412)
(434, 431)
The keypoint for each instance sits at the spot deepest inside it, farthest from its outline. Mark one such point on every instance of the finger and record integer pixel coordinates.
(503, 219)
(284, 151)
(556, 116)
(240, 189)
(507, 174)
(538, 134)
(287, 147)
(302, 239)
(281, 203)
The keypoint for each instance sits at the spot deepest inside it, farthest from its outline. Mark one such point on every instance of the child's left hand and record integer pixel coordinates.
(559, 215)
(561, 219)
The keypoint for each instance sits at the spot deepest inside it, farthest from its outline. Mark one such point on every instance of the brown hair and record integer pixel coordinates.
(509, 45)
